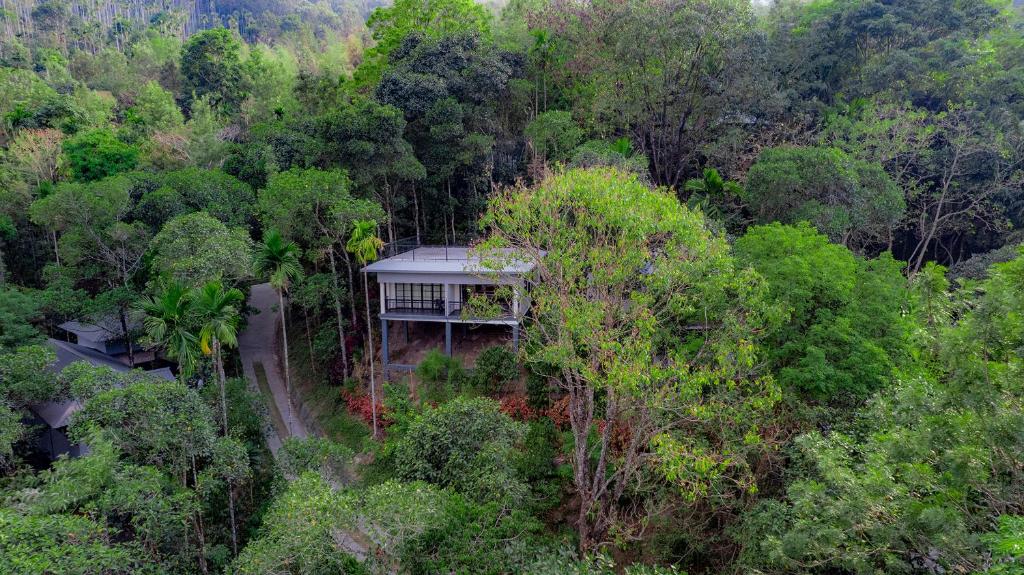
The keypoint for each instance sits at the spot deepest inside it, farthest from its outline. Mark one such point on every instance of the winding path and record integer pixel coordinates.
(258, 346)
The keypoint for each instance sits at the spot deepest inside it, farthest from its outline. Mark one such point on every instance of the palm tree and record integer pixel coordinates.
(170, 326)
(366, 245)
(278, 260)
(217, 311)
(710, 191)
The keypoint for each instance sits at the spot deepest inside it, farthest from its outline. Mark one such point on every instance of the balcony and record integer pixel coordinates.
(435, 308)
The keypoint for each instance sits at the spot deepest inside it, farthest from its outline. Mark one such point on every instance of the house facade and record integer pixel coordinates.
(449, 286)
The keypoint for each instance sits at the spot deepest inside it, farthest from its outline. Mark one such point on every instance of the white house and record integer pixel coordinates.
(434, 284)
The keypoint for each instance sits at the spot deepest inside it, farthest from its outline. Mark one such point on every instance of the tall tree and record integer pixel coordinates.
(278, 260)
(217, 311)
(317, 208)
(212, 65)
(647, 325)
(366, 245)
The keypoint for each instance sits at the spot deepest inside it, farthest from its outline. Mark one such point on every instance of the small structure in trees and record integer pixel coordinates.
(448, 285)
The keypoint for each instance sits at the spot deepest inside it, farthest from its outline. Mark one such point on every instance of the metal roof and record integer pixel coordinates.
(57, 413)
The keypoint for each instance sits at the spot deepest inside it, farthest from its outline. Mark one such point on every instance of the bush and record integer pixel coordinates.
(495, 368)
(299, 455)
(466, 444)
(442, 377)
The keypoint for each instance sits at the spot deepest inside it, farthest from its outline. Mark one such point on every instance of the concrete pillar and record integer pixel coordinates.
(515, 338)
(448, 338)
(383, 299)
(384, 343)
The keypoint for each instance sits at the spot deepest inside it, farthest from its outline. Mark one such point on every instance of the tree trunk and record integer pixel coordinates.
(200, 534)
(56, 250)
(337, 313)
(369, 350)
(416, 213)
(127, 337)
(309, 340)
(284, 339)
(352, 287)
(219, 361)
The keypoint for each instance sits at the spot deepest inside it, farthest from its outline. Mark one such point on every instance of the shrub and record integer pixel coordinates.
(538, 392)
(495, 368)
(439, 371)
(299, 455)
(466, 444)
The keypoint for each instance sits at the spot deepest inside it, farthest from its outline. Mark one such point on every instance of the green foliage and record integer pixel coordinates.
(554, 135)
(495, 368)
(212, 66)
(1007, 546)
(854, 202)
(846, 330)
(465, 444)
(619, 155)
(330, 459)
(435, 19)
(67, 544)
(190, 190)
(937, 460)
(313, 206)
(441, 372)
(154, 110)
(298, 536)
(17, 312)
(155, 422)
(97, 154)
(196, 248)
(25, 377)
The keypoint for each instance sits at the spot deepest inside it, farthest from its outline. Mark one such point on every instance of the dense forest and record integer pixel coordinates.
(776, 321)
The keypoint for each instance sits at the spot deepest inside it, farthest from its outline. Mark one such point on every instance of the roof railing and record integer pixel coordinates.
(412, 250)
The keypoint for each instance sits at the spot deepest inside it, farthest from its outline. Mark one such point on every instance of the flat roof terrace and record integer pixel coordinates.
(446, 260)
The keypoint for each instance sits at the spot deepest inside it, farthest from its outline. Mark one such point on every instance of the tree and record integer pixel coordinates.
(641, 316)
(71, 544)
(17, 312)
(97, 154)
(846, 329)
(554, 135)
(188, 190)
(940, 464)
(195, 249)
(170, 325)
(154, 110)
(317, 208)
(278, 261)
(367, 139)
(366, 246)
(35, 156)
(434, 18)
(466, 444)
(672, 91)
(852, 201)
(212, 66)
(447, 89)
(99, 243)
(217, 311)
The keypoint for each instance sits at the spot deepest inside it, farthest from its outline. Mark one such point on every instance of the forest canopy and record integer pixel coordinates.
(773, 323)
